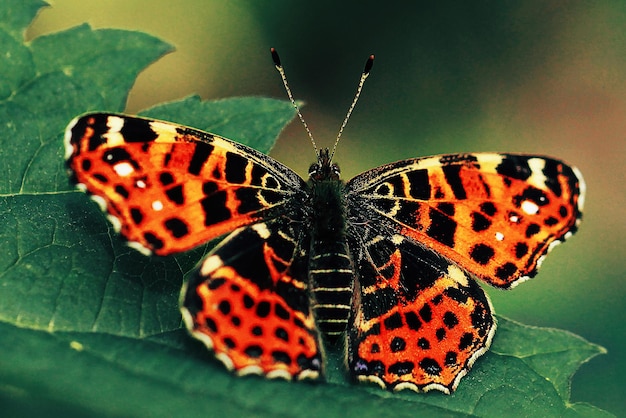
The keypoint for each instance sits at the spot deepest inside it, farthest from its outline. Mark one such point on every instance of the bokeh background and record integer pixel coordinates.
(546, 77)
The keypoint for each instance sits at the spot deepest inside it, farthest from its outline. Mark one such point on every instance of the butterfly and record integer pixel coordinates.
(386, 262)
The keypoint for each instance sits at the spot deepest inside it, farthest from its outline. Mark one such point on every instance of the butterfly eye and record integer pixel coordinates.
(313, 170)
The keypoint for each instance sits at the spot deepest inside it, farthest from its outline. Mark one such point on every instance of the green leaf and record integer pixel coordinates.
(52, 79)
(255, 122)
(91, 327)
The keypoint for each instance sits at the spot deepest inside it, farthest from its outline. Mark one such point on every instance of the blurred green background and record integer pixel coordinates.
(532, 76)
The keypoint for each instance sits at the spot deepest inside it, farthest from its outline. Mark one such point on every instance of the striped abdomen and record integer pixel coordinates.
(331, 277)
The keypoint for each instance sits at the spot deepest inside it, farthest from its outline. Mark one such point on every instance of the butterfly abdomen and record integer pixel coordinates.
(331, 272)
(331, 276)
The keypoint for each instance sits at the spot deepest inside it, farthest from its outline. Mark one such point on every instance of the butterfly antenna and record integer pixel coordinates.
(281, 71)
(364, 75)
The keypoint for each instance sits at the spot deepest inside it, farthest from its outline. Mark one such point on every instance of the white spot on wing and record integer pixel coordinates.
(537, 178)
(223, 357)
(407, 386)
(210, 264)
(397, 239)
(308, 375)
(529, 207)
(582, 187)
(373, 379)
(157, 205)
(457, 275)
(499, 236)
(67, 139)
(115, 123)
(163, 127)
(117, 225)
(262, 230)
(113, 135)
(139, 247)
(99, 200)
(187, 318)
(278, 374)
(428, 162)
(250, 370)
(489, 161)
(123, 169)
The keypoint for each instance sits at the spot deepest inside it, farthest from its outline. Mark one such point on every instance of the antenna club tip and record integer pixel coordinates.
(275, 57)
(369, 64)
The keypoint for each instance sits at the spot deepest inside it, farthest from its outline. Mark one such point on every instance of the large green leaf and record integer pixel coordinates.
(89, 326)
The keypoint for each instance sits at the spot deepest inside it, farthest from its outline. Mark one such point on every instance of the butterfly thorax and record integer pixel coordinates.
(331, 272)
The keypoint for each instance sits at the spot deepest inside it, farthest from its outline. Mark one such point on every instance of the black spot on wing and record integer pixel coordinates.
(166, 178)
(551, 171)
(442, 228)
(521, 249)
(248, 200)
(257, 175)
(137, 215)
(209, 187)
(137, 130)
(482, 253)
(201, 154)
(401, 368)
(397, 184)
(532, 229)
(407, 213)
(480, 222)
(430, 366)
(506, 271)
(235, 168)
(533, 194)
(452, 174)
(419, 184)
(177, 227)
(393, 321)
(515, 166)
(121, 190)
(398, 344)
(215, 209)
(117, 155)
(175, 195)
(447, 208)
(154, 242)
(488, 208)
(412, 320)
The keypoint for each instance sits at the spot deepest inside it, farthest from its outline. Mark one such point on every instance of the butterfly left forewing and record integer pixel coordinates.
(170, 188)
(495, 215)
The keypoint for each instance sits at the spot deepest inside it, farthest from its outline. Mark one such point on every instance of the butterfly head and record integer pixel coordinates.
(324, 169)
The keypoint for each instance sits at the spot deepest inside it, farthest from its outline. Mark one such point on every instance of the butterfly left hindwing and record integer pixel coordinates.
(247, 302)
